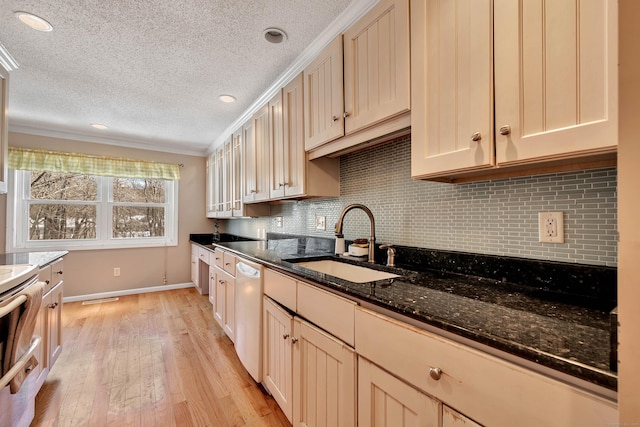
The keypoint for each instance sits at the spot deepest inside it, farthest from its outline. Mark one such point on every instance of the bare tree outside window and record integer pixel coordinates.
(138, 218)
(71, 220)
(65, 206)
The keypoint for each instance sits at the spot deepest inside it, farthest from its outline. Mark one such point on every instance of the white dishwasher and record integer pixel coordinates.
(248, 307)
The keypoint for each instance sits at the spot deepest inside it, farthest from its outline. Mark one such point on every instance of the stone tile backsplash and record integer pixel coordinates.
(498, 217)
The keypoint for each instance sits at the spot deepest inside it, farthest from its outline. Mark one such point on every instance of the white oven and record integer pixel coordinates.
(20, 302)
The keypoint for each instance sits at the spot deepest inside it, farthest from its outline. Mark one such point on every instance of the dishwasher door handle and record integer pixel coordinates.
(247, 270)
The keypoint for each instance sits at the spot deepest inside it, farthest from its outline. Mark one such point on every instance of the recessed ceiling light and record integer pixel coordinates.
(98, 126)
(227, 98)
(274, 35)
(34, 21)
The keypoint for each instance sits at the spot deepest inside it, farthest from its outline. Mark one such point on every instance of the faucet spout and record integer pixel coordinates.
(372, 237)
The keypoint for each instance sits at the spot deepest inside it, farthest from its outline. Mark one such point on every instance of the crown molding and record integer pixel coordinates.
(6, 60)
(347, 18)
(127, 142)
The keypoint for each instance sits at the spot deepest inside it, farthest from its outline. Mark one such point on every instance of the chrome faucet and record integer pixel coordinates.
(372, 238)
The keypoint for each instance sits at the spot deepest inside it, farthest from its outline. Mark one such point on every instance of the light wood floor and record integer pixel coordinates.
(156, 359)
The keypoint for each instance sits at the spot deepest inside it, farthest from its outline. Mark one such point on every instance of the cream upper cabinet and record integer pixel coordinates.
(452, 70)
(291, 164)
(555, 93)
(358, 89)
(211, 195)
(386, 401)
(4, 128)
(236, 174)
(324, 102)
(276, 148)
(376, 65)
(256, 157)
(556, 79)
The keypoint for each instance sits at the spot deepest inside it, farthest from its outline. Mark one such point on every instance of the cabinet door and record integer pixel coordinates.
(452, 418)
(4, 128)
(556, 79)
(220, 288)
(212, 286)
(385, 401)
(258, 189)
(277, 332)
(294, 159)
(219, 182)
(249, 183)
(451, 79)
(236, 174)
(376, 65)
(229, 324)
(195, 263)
(42, 352)
(211, 186)
(54, 340)
(276, 144)
(323, 101)
(324, 379)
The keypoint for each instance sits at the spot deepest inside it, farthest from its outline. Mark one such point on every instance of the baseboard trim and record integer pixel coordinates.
(127, 292)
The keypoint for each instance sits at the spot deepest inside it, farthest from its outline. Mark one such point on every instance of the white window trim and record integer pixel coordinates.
(17, 220)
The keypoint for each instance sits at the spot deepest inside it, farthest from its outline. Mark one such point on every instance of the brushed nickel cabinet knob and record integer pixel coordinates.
(435, 373)
(505, 130)
(477, 136)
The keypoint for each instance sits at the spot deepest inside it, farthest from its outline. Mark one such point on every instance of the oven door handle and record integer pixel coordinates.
(15, 303)
(20, 364)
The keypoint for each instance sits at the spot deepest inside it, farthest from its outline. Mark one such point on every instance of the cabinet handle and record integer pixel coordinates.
(294, 340)
(252, 191)
(285, 336)
(280, 185)
(54, 305)
(477, 136)
(345, 115)
(505, 130)
(227, 263)
(221, 282)
(47, 282)
(59, 272)
(435, 373)
(335, 118)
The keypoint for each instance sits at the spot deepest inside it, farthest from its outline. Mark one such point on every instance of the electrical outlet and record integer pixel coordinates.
(279, 221)
(321, 222)
(551, 227)
(116, 272)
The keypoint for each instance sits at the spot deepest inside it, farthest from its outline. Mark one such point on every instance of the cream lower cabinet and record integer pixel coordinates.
(212, 285)
(224, 307)
(49, 321)
(534, 93)
(310, 372)
(278, 354)
(486, 389)
(386, 401)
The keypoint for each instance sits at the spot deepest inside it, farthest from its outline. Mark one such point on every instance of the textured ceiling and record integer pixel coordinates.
(150, 70)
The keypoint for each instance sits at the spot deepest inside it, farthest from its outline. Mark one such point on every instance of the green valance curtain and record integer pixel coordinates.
(50, 161)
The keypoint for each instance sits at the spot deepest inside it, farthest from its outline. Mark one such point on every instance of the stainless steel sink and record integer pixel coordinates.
(342, 270)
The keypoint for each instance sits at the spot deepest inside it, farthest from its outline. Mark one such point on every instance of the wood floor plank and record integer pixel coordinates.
(156, 359)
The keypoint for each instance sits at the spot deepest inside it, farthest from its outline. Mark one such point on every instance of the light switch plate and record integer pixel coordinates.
(279, 221)
(321, 222)
(551, 227)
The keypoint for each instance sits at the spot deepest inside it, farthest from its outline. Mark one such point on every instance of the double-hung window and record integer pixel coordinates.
(90, 207)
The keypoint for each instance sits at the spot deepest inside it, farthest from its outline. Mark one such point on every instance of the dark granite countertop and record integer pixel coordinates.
(40, 259)
(568, 333)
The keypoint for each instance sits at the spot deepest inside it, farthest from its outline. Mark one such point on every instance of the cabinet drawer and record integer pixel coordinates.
(280, 288)
(44, 275)
(57, 272)
(218, 257)
(332, 313)
(229, 261)
(203, 254)
(489, 390)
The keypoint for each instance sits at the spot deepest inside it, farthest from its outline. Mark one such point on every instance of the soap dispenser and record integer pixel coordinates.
(339, 244)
